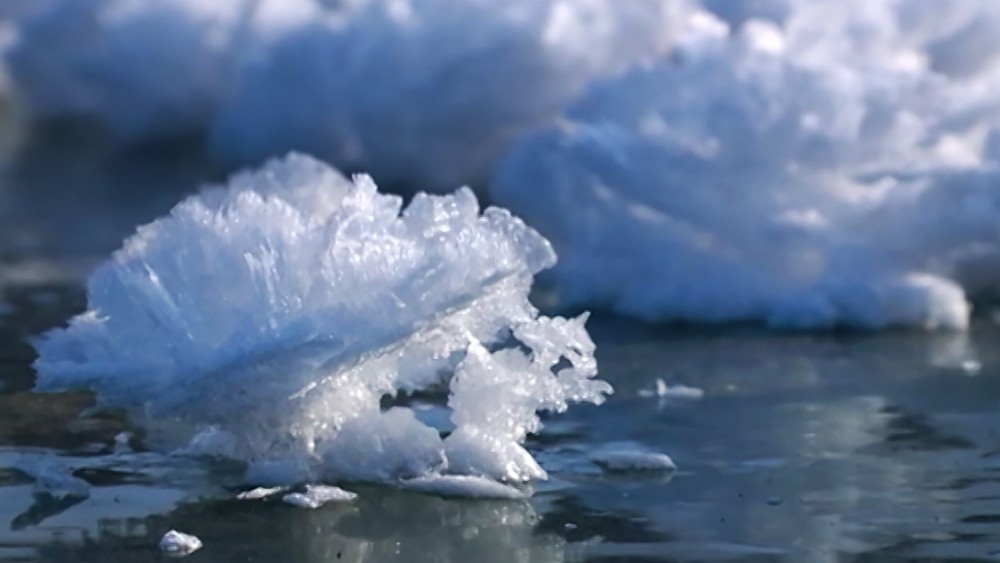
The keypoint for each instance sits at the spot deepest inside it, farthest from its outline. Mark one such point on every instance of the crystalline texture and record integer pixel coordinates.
(273, 315)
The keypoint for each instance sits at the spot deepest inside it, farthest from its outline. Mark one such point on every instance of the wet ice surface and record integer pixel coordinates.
(843, 446)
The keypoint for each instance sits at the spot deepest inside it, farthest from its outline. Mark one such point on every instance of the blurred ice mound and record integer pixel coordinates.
(422, 92)
(801, 163)
(270, 320)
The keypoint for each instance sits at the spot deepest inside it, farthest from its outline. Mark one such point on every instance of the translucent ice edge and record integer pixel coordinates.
(268, 321)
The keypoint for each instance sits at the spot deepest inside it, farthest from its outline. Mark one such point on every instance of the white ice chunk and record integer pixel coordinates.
(269, 320)
(413, 91)
(418, 92)
(259, 493)
(463, 486)
(832, 165)
(316, 496)
(179, 544)
(627, 457)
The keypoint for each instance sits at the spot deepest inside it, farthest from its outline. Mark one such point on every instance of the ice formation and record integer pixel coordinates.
(316, 496)
(430, 92)
(179, 543)
(269, 320)
(807, 164)
(413, 91)
(801, 163)
(260, 493)
(145, 68)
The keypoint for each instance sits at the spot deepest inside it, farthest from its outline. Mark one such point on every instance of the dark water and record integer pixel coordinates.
(829, 447)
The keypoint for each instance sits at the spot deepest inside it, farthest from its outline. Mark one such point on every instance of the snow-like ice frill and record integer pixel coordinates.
(802, 163)
(275, 320)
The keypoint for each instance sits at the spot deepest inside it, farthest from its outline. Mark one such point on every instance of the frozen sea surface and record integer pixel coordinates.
(832, 447)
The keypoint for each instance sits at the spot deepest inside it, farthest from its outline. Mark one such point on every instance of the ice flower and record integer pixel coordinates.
(283, 320)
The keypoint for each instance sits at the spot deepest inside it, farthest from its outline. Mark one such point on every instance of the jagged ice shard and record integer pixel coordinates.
(269, 320)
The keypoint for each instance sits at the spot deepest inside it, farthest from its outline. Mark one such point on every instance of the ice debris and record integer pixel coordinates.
(267, 320)
(316, 496)
(800, 163)
(629, 457)
(259, 493)
(679, 391)
(179, 544)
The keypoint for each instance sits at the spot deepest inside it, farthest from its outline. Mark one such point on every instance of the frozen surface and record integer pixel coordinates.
(179, 543)
(267, 321)
(316, 496)
(815, 163)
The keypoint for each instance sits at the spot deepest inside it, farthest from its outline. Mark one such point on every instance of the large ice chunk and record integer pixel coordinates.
(422, 92)
(144, 68)
(828, 165)
(268, 320)
(429, 93)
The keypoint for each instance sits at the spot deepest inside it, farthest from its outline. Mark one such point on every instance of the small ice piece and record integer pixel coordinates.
(266, 322)
(122, 440)
(316, 496)
(179, 544)
(628, 457)
(259, 493)
(53, 478)
(844, 187)
(464, 486)
(679, 391)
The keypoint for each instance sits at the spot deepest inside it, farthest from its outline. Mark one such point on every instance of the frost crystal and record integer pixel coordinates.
(268, 321)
